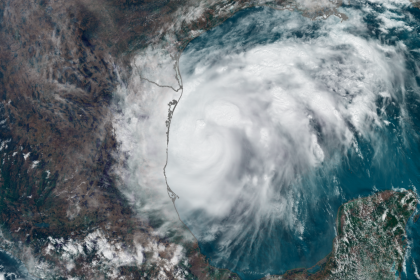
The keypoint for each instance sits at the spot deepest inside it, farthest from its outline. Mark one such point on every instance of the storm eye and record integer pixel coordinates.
(263, 127)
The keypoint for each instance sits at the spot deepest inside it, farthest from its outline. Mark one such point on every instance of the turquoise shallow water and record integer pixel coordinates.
(386, 156)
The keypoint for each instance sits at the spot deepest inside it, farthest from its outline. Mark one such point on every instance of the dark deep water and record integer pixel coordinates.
(389, 159)
(11, 268)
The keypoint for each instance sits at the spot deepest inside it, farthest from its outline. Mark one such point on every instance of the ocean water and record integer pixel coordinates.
(12, 268)
(283, 119)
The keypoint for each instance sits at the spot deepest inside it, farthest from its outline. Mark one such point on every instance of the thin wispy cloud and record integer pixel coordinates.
(275, 108)
(267, 106)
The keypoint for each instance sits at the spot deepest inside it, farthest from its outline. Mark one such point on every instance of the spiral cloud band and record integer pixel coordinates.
(268, 107)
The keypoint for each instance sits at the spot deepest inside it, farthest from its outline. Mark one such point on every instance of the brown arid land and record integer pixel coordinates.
(62, 210)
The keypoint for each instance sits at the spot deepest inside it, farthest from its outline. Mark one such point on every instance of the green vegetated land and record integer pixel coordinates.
(371, 239)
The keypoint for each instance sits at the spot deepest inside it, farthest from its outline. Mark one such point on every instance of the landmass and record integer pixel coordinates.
(62, 211)
(371, 239)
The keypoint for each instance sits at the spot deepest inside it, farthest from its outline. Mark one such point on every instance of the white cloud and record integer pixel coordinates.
(256, 118)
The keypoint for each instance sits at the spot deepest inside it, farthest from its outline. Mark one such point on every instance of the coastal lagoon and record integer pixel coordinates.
(283, 119)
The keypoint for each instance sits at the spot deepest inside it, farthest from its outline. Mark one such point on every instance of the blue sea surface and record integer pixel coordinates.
(393, 165)
(12, 268)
